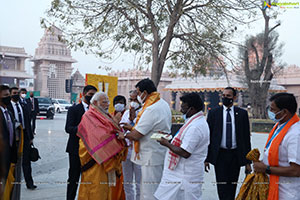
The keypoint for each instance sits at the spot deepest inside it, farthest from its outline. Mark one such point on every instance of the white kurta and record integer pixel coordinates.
(289, 151)
(155, 118)
(185, 181)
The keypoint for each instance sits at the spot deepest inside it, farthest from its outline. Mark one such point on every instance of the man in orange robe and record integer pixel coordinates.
(100, 152)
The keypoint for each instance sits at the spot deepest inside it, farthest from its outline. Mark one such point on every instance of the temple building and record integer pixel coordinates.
(210, 88)
(12, 66)
(290, 79)
(52, 65)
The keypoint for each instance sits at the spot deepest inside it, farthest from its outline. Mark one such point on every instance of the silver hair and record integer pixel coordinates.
(97, 95)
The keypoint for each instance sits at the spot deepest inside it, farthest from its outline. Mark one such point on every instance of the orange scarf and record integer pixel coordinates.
(273, 155)
(151, 99)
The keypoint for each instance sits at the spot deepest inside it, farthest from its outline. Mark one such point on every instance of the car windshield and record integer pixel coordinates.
(63, 102)
(44, 100)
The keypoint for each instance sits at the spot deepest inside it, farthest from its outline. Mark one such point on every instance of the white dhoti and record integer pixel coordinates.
(179, 187)
(151, 177)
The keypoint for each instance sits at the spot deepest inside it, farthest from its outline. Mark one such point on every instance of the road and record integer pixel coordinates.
(51, 172)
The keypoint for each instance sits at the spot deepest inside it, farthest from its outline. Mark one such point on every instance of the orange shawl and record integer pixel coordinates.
(151, 99)
(273, 155)
(98, 133)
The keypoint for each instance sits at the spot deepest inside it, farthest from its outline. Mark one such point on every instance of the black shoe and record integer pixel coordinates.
(31, 187)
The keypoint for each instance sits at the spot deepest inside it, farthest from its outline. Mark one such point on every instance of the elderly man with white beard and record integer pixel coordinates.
(100, 152)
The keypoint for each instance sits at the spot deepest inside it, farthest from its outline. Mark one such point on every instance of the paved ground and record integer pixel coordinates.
(50, 173)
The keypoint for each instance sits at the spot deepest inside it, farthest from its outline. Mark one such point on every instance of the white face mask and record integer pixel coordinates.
(23, 96)
(119, 107)
(140, 99)
(134, 105)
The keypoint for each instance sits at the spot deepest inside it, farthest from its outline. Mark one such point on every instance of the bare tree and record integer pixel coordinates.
(185, 32)
(258, 57)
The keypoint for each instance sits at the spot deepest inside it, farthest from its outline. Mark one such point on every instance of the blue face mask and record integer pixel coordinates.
(184, 115)
(272, 116)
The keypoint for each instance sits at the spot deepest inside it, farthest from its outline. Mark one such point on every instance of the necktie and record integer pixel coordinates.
(32, 104)
(10, 127)
(19, 114)
(228, 130)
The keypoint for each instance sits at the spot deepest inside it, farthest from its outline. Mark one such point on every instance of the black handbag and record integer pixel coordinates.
(34, 153)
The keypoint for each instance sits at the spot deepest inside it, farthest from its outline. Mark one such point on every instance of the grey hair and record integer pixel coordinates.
(133, 92)
(97, 95)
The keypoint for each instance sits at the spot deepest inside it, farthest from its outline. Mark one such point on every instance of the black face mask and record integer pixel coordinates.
(15, 97)
(227, 101)
(88, 99)
(6, 100)
(31, 96)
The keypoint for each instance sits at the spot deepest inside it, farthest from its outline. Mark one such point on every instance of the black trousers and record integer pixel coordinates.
(33, 119)
(227, 171)
(26, 163)
(74, 175)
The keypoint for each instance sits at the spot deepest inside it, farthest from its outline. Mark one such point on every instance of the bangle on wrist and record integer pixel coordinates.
(268, 170)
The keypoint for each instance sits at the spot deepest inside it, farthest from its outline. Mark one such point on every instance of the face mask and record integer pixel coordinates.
(15, 97)
(88, 99)
(184, 115)
(23, 96)
(31, 96)
(272, 116)
(227, 101)
(140, 99)
(6, 100)
(134, 105)
(119, 107)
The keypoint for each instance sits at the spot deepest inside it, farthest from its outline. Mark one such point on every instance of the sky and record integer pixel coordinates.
(20, 27)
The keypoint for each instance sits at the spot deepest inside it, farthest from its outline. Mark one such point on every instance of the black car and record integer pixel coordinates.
(46, 107)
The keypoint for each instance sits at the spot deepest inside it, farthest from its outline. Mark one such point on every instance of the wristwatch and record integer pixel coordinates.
(268, 170)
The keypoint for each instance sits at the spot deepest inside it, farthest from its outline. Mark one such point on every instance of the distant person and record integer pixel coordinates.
(73, 119)
(35, 111)
(281, 158)
(100, 152)
(183, 173)
(229, 144)
(130, 169)
(9, 148)
(155, 116)
(21, 112)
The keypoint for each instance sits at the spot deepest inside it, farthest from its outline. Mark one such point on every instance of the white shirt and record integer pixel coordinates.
(85, 106)
(289, 151)
(189, 173)
(3, 111)
(16, 113)
(125, 119)
(223, 141)
(156, 117)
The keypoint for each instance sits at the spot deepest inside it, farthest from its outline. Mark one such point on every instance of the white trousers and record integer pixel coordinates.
(130, 169)
(151, 177)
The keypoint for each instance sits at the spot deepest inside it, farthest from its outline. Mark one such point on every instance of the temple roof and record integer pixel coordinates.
(202, 84)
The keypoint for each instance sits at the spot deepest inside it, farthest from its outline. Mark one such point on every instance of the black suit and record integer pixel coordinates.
(9, 152)
(28, 136)
(73, 119)
(34, 104)
(227, 162)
